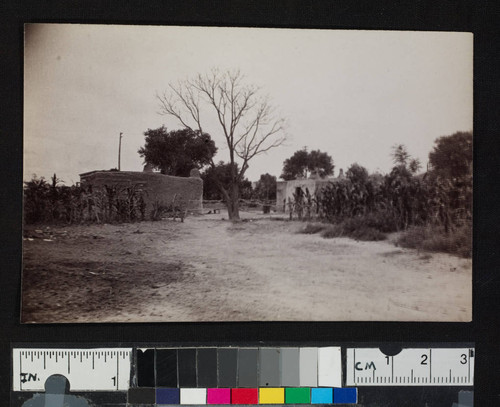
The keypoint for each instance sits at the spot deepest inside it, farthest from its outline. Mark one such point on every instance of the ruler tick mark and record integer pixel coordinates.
(468, 364)
(20, 370)
(354, 365)
(117, 371)
(392, 368)
(430, 364)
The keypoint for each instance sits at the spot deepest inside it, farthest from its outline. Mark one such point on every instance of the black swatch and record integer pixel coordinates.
(227, 362)
(141, 395)
(187, 367)
(146, 368)
(166, 368)
(207, 367)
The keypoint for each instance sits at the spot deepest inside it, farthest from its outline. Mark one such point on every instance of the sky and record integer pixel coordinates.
(353, 94)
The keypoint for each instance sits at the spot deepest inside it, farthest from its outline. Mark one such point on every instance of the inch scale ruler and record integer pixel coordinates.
(410, 367)
(102, 369)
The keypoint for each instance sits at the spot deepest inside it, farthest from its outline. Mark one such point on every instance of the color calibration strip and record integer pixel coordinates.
(240, 376)
(242, 396)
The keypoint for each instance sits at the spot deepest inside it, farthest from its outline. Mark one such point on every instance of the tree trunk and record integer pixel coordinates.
(233, 204)
(232, 201)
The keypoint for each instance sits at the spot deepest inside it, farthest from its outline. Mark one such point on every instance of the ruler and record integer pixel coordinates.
(410, 367)
(103, 369)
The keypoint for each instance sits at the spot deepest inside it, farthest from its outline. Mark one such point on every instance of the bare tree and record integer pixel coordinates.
(247, 120)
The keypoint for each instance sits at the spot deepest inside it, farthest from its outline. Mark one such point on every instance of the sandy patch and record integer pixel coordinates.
(208, 269)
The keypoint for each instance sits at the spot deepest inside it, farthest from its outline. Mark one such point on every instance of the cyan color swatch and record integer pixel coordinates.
(322, 395)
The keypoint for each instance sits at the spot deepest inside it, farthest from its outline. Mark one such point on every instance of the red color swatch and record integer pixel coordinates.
(244, 396)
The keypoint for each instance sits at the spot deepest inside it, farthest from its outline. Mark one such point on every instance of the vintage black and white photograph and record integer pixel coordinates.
(246, 174)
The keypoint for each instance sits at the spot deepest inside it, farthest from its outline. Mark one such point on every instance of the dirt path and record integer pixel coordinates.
(207, 269)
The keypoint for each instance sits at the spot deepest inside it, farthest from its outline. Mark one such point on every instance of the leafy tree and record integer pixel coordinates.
(451, 174)
(414, 165)
(219, 174)
(357, 174)
(302, 162)
(35, 203)
(177, 152)
(266, 187)
(452, 155)
(401, 157)
(296, 165)
(320, 162)
(246, 120)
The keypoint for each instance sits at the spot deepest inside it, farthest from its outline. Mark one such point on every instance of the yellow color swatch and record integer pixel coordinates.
(270, 395)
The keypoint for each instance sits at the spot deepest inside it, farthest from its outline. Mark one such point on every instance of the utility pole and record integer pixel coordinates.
(119, 150)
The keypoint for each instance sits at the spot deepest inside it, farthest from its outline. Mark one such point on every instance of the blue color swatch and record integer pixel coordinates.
(167, 396)
(347, 395)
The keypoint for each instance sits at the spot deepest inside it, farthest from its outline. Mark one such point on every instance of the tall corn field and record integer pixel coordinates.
(394, 202)
(53, 203)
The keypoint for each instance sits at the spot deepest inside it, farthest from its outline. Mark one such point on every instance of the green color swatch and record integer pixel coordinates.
(298, 395)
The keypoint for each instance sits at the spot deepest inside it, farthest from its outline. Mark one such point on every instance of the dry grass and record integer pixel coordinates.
(312, 228)
(349, 229)
(435, 239)
(354, 228)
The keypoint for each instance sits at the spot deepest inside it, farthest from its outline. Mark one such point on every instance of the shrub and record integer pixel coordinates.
(383, 221)
(436, 239)
(176, 209)
(368, 234)
(312, 228)
(332, 231)
(353, 228)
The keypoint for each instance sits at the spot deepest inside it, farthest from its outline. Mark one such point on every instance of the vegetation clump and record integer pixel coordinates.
(55, 203)
(312, 228)
(435, 239)
(355, 229)
(432, 210)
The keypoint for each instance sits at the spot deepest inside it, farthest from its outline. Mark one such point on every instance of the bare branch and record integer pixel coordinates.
(169, 107)
(248, 122)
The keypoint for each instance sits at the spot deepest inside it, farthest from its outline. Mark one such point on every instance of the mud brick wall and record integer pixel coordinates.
(286, 189)
(155, 187)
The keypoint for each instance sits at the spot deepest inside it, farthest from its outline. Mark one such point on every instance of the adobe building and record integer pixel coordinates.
(286, 189)
(156, 187)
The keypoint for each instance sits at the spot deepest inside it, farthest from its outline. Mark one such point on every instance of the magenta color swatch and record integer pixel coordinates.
(218, 396)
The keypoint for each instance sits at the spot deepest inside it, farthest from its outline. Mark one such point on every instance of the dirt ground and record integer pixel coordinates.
(209, 269)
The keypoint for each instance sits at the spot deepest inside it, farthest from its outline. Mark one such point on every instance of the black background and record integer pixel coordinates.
(480, 17)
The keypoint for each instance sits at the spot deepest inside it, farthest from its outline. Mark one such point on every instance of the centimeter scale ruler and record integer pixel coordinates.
(308, 375)
(410, 367)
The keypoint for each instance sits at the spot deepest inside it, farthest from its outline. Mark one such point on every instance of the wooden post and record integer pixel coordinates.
(119, 150)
